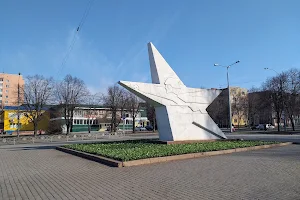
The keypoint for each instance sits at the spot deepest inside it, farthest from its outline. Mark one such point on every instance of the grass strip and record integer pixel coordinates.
(140, 149)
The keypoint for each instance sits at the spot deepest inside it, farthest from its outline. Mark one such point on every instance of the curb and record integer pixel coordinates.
(115, 163)
(96, 158)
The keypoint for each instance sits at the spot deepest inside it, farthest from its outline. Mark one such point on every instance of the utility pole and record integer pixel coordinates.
(228, 87)
(18, 113)
(229, 102)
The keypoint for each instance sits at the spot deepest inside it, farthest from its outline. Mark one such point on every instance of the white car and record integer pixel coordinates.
(270, 126)
(262, 126)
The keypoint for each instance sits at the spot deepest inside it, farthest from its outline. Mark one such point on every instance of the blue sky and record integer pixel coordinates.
(111, 45)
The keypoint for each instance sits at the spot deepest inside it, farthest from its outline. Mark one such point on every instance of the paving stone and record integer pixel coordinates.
(37, 172)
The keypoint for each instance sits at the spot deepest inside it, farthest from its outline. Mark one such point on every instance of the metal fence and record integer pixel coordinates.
(13, 140)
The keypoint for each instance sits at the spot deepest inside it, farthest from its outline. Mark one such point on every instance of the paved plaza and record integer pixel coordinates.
(40, 172)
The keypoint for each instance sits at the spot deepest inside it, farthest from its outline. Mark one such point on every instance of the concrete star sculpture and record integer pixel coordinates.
(180, 111)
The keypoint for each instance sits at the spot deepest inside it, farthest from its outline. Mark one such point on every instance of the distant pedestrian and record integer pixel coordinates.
(233, 129)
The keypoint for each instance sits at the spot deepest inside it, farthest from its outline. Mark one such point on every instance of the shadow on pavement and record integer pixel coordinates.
(29, 148)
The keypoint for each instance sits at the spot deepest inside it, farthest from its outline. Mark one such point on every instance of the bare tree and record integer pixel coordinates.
(37, 93)
(115, 100)
(151, 115)
(133, 106)
(291, 94)
(70, 92)
(275, 88)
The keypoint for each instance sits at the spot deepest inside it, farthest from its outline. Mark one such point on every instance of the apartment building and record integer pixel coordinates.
(239, 106)
(9, 89)
(218, 110)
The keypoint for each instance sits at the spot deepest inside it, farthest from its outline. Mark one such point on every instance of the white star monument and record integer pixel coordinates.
(180, 111)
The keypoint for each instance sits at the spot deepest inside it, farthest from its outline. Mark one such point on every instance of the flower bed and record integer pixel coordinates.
(141, 149)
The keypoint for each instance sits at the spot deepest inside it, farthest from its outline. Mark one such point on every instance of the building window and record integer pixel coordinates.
(6, 91)
(0, 95)
(235, 120)
(127, 115)
(7, 86)
(0, 90)
(6, 101)
(1, 79)
(80, 121)
(6, 96)
(7, 80)
(1, 84)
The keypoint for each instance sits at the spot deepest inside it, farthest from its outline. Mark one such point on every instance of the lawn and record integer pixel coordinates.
(140, 149)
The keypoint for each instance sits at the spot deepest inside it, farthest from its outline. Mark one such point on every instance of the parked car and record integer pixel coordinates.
(140, 128)
(265, 126)
(143, 129)
(270, 126)
(149, 128)
(260, 127)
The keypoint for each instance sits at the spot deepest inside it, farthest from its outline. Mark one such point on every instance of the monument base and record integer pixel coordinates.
(194, 141)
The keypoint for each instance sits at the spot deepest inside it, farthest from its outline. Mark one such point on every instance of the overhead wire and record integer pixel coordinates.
(75, 35)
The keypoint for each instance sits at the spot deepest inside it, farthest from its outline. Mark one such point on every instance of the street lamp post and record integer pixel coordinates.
(228, 87)
(18, 113)
(280, 82)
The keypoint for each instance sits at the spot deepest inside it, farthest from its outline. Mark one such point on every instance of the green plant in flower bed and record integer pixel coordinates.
(139, 149)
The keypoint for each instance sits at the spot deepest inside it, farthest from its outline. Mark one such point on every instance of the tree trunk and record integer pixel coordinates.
(34, 128)
(154, 124)
(71, 126)
(114, 121)
(111, 122)
(68, 128)
(278, 121)
(89, 126)
(292, 121)
(133, 123)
